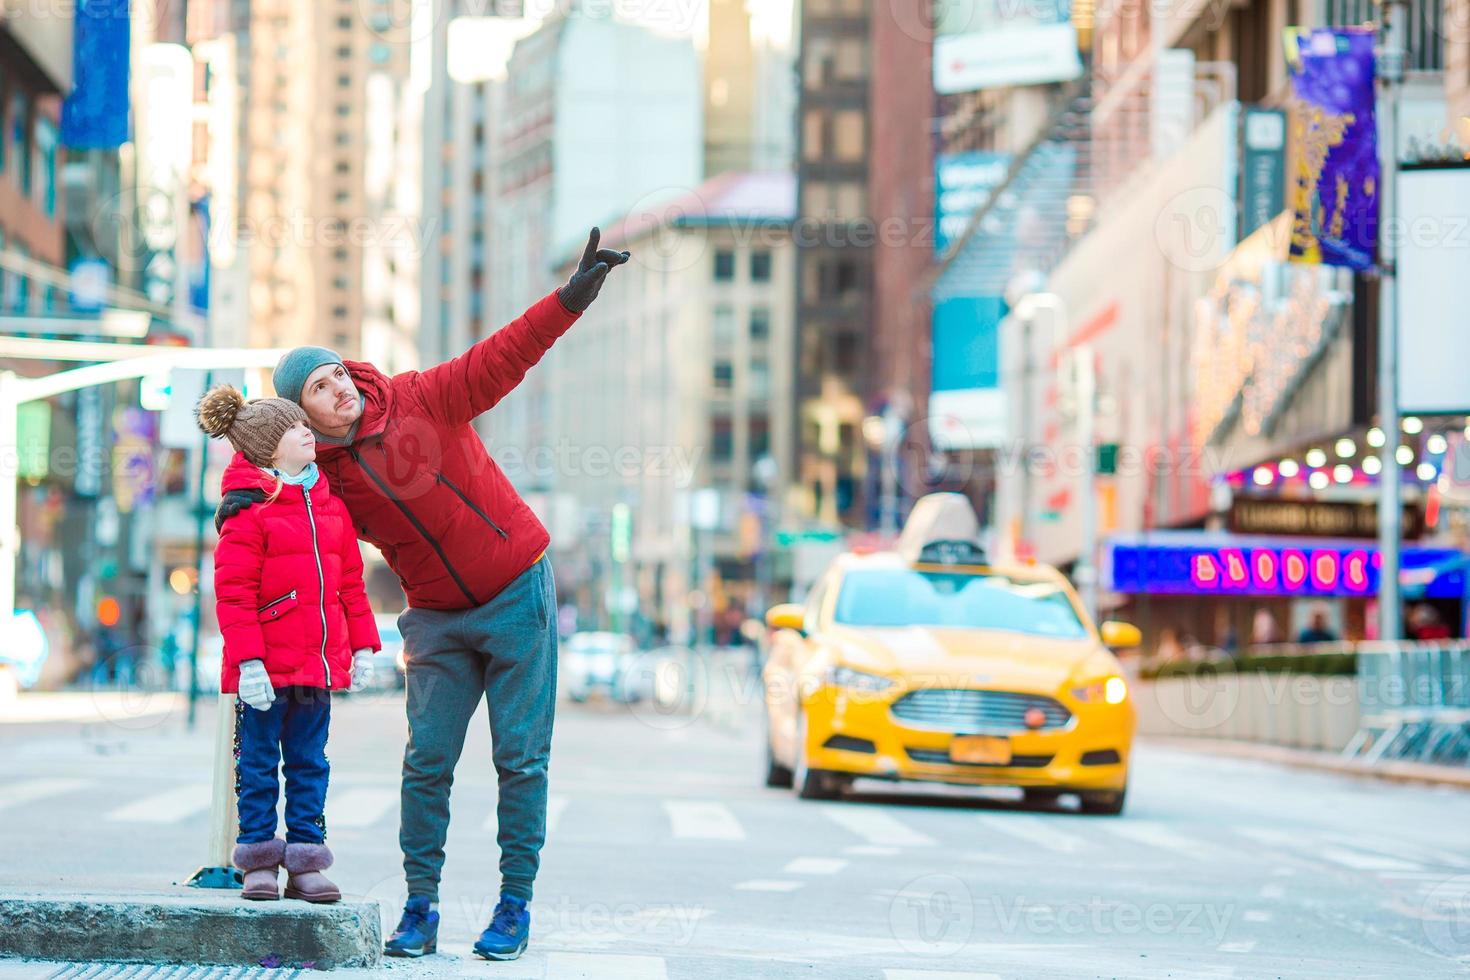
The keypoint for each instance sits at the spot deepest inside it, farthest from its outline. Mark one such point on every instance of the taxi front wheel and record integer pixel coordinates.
(777, 775)
(813, 784)
(1103, 804)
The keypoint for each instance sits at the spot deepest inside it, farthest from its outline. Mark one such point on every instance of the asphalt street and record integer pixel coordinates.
(667, 857)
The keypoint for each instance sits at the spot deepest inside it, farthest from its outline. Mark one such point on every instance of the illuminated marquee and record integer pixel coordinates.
(1254, 568)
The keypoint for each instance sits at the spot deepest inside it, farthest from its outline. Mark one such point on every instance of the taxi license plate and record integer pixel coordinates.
(983, 749)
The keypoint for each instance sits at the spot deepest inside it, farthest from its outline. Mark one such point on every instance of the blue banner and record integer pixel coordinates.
(1334, 191)
(95, 113)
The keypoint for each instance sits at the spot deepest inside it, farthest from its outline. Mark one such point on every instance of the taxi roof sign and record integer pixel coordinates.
(937, 519)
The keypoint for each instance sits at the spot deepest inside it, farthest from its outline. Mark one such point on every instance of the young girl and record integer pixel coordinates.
(294, 614)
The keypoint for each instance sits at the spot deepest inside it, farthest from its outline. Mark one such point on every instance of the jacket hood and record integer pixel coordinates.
(242, 474)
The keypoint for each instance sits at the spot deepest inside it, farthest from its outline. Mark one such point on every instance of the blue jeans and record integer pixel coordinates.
(504, 654)
(294, 729)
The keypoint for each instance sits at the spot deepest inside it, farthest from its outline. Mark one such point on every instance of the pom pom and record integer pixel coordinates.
(216, 411)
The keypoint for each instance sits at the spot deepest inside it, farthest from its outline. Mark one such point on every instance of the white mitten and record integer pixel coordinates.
(362, 669)
(255, 685)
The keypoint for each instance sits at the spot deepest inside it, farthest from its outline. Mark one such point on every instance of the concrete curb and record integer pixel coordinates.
(1397, 772)
(188, 927)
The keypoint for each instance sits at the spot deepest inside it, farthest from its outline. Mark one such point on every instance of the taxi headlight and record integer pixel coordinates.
(857, 680)
(1110, 690)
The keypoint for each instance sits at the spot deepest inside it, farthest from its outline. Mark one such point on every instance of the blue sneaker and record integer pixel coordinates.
(418, 931)
(509, 930)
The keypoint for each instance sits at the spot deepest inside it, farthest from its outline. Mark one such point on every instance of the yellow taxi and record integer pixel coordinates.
(932, 663)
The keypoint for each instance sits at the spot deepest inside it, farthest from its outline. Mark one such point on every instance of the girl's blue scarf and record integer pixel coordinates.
(306, 478)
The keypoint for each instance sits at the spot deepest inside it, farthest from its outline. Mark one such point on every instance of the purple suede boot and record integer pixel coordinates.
(304, 866)
(261, 863)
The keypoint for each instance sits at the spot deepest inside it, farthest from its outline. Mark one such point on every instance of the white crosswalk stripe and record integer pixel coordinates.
(1152, 834)
(1040, 831)
(171, 806)
(703, 820)
(360, 807)
(937, 975)
(19, 794)
(575, 966)
(1347, 857)
(875, 826)
(1360, 861)
(814, 866)
(769, 885)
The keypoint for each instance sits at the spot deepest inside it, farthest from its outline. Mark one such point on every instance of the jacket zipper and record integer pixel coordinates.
(471, 505)
(417, 524)
(321, 583)
(277, 601)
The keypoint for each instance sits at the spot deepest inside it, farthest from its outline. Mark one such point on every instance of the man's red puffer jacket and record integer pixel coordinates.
(418, 480)
(288, 585)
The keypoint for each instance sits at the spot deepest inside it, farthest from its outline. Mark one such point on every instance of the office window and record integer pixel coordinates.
(722, 439)
(849, 133)
(20, 140)
(760, 323)
(760, 378)
(724, 266)
(760, 436)
(340, 312)
(378, 54)
(724, 375)
(46, 140)
(760, 265)
(724, 326)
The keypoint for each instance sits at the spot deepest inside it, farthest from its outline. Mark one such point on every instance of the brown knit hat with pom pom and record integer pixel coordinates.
(253, 428)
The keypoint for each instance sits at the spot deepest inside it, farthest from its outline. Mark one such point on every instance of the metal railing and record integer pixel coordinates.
(1415, 701)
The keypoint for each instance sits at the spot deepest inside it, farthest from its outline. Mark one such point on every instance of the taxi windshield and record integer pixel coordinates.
(911, 597)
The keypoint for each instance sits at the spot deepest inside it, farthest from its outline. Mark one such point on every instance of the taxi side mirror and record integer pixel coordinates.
(1120, 636)
(787, 616)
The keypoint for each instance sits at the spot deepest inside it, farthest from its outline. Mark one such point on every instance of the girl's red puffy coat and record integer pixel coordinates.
(288, 585)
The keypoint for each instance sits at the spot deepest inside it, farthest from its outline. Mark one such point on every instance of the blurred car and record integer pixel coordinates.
(932, 663)
(389, 665)
(598, 662)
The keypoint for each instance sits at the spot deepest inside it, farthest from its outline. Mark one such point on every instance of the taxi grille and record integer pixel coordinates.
(939, 757)
(969, 711)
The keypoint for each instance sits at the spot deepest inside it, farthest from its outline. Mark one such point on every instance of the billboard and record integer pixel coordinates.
(963, 183)
(1194, 564)
(1334, 193)
(982, 44)
(1432, 225)
(967, 406)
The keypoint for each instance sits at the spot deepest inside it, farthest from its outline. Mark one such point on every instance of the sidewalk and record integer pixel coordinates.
(186, 925)
(1397, 771)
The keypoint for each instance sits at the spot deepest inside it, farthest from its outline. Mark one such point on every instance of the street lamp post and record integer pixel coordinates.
(1391, 58)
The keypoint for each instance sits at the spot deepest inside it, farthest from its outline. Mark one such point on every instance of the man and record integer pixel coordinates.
(481, 622)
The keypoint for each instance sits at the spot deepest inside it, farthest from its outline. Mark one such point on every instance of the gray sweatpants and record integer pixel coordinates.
(503, 652)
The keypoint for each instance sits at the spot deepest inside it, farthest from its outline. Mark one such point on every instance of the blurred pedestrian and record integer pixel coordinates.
(294, 614)
(1317, 629)
(1426, 624)
(481, 622)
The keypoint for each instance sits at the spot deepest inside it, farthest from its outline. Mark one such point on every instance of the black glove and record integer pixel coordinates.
(233, 502)
(581, 289)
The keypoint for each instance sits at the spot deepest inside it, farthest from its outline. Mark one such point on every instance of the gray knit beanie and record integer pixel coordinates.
(291, 374)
